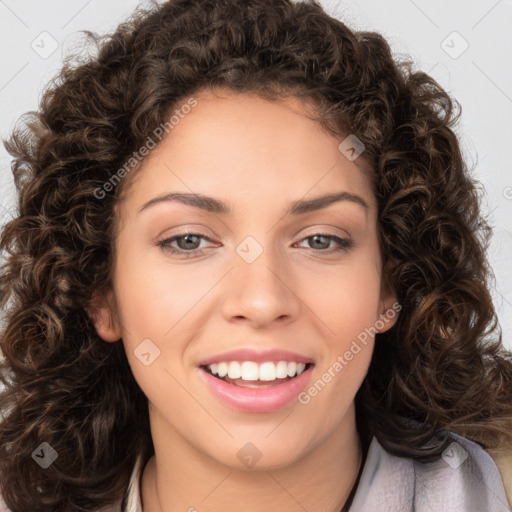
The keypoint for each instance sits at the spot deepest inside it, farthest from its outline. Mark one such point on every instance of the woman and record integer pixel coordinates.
(253, 367)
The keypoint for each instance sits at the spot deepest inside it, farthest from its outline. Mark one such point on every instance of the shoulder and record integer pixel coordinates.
(133, 493)
(503, 459)
(3, 506)
(464, 479)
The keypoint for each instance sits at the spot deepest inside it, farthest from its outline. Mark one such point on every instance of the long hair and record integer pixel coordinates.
(442, 367)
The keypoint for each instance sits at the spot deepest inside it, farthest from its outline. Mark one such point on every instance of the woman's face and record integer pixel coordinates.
(273, 270)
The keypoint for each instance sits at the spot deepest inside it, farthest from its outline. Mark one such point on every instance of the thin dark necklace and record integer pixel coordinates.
(350, 498)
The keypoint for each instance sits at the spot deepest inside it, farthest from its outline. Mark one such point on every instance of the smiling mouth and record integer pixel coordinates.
(266, 378)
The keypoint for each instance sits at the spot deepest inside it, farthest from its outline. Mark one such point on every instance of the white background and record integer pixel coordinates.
(480, 78)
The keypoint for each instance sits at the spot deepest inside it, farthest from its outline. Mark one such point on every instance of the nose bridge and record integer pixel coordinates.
(259, 287)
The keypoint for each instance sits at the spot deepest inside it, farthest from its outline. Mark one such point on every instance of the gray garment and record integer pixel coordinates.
(464, 479)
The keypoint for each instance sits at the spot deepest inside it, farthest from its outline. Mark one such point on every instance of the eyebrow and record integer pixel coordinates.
(212, 205)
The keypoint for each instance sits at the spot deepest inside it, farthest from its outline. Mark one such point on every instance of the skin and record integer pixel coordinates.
(259, 156)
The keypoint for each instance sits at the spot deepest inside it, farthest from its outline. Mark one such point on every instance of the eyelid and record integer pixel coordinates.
(327, 230)
(188, 229)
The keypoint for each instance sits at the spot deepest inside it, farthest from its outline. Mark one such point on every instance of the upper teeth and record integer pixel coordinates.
(249, 370)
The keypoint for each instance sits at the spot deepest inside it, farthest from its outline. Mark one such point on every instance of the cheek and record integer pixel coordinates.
(153, 314)
(153, 298)
(159, 308)
(339, 376)
(347, 302)
(347, 306)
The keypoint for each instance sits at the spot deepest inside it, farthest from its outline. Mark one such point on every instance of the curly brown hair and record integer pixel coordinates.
(441, 368)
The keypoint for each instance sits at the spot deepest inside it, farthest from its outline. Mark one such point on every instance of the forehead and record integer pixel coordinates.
(243, 146)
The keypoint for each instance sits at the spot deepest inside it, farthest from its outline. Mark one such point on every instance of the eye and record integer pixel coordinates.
(343, 244)
(187, 248)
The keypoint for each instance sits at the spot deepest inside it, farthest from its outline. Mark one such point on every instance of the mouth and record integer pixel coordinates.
(249, 374)
(248, 386)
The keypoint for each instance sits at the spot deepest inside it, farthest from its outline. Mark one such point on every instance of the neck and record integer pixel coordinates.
(181, 477)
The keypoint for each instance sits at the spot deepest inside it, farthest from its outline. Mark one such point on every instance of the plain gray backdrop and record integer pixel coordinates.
(465, 45)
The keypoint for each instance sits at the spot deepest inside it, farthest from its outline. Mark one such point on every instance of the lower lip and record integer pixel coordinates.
(265, 399)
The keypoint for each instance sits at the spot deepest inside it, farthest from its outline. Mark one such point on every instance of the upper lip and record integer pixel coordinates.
(258, 356)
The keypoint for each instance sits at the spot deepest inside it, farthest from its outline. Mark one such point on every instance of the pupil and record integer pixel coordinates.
(186, 238)
(316, 237)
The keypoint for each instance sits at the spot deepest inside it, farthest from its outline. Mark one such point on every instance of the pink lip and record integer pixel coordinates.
(248, 354)
(266, 399)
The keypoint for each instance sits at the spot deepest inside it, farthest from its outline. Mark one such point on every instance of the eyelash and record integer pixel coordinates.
(344, 245)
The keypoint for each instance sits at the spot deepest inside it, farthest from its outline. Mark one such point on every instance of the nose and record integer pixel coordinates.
(261, 291)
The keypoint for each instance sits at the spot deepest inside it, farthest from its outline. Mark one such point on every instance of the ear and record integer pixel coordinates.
(104, 314)
(389, 306)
